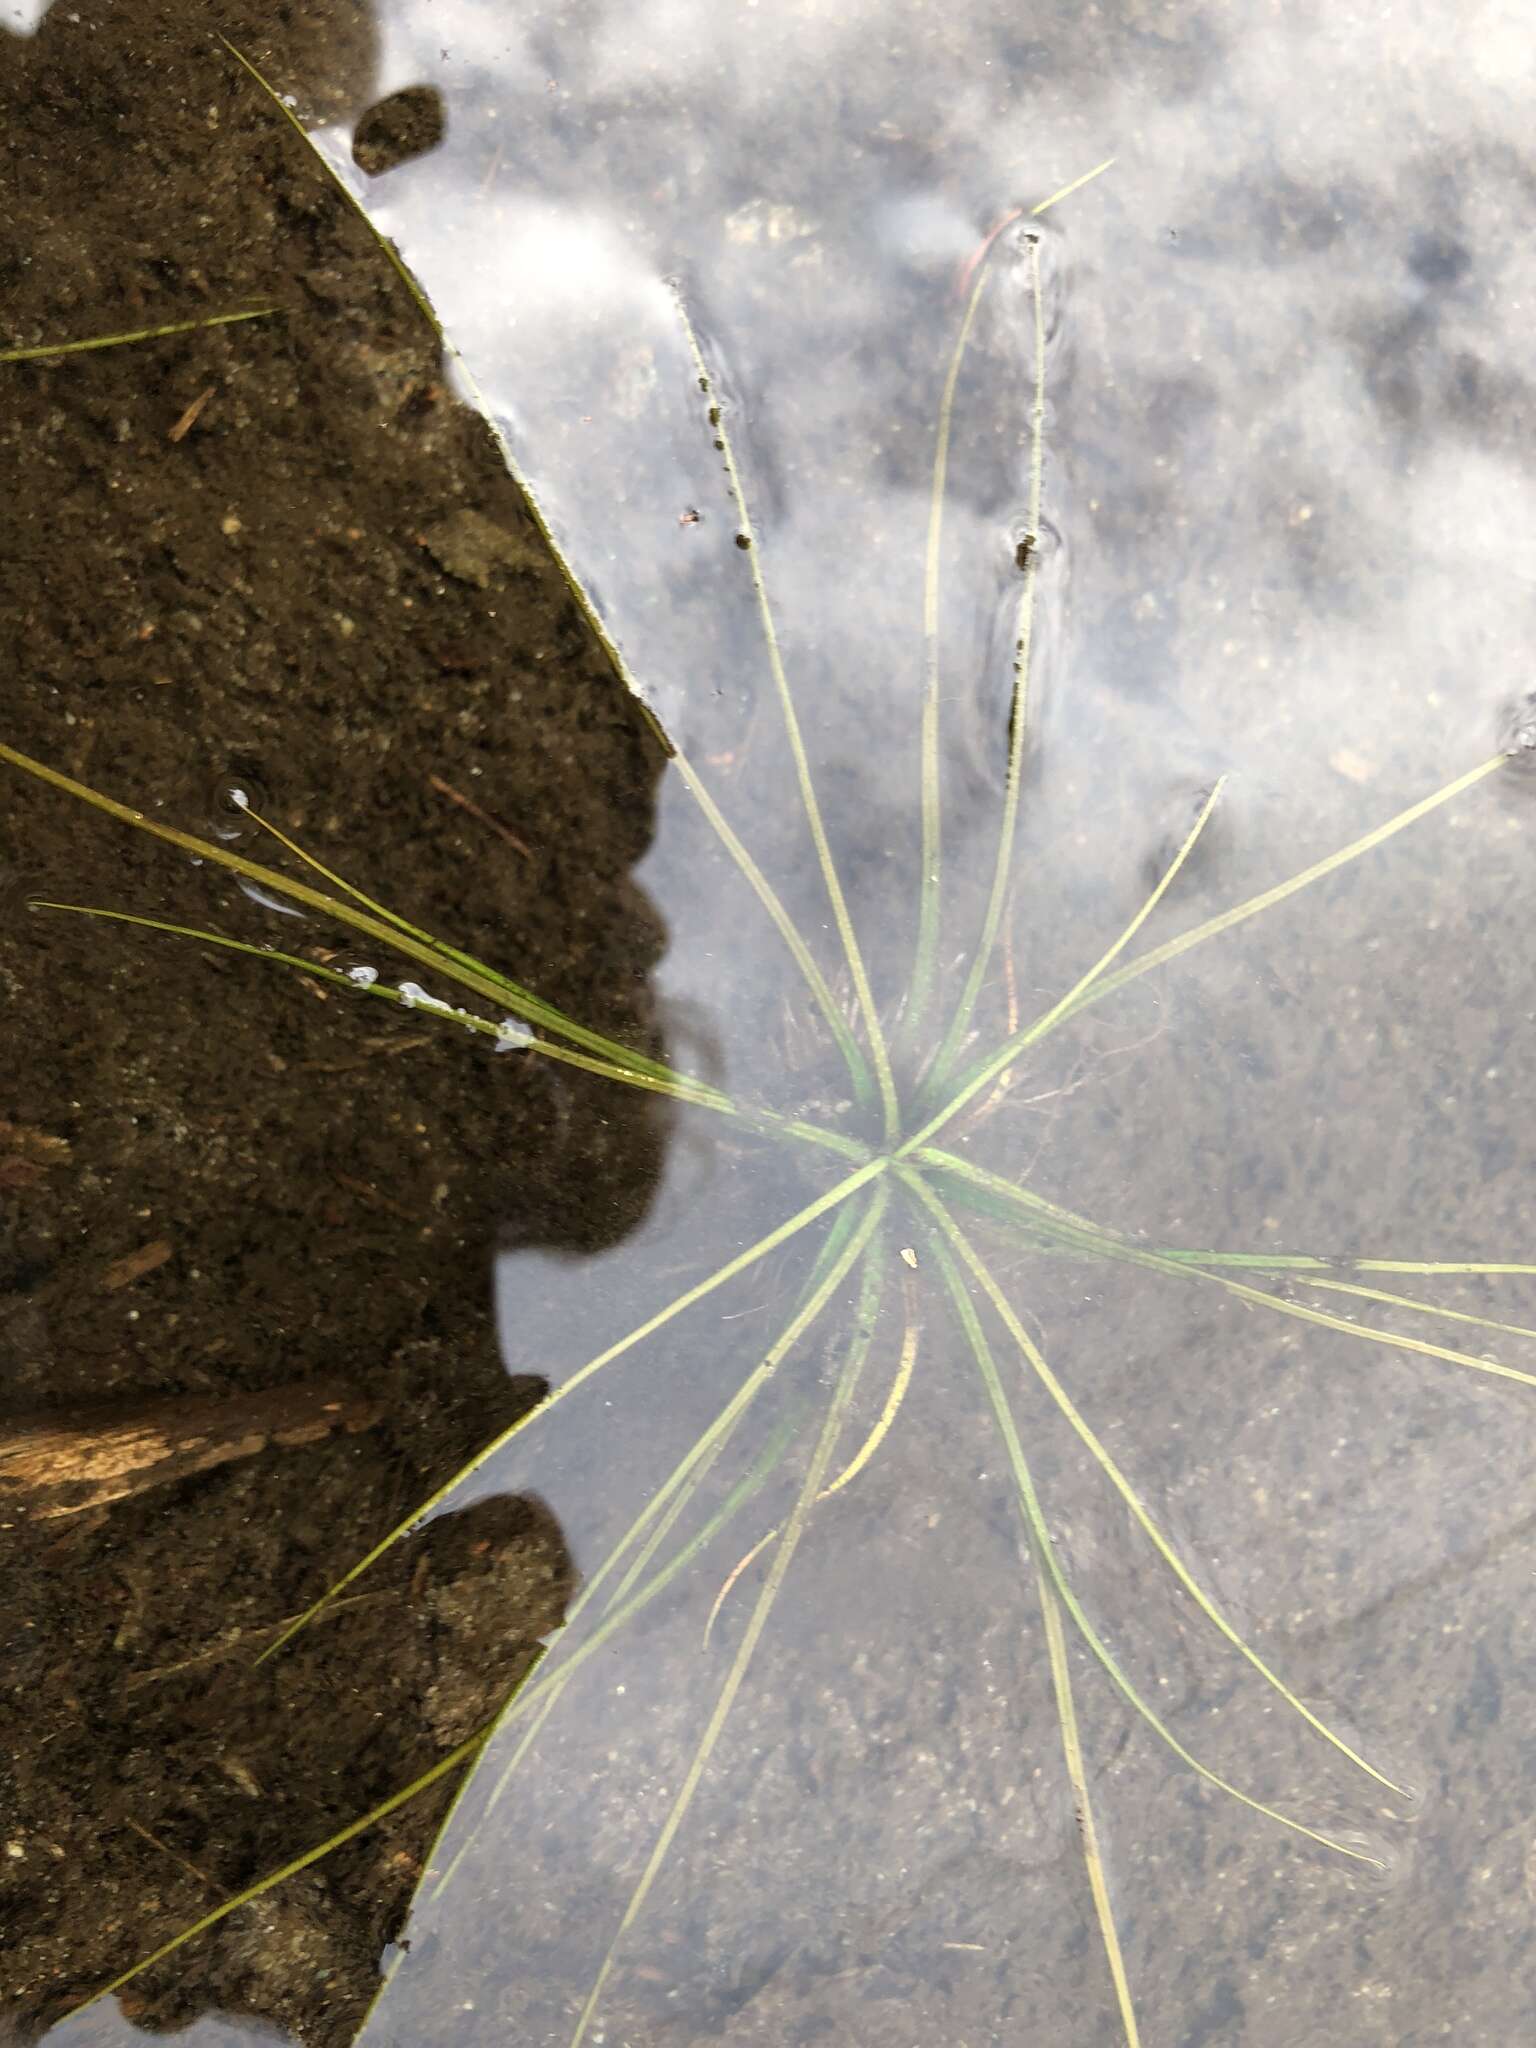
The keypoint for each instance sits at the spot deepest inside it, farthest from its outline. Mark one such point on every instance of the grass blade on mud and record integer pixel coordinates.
(681, 1088)
(44, 351)
(395, 935)
(455, 1760)
(781, 1235)
(1077, 1775)
(762, 888)
(957, 1241)
(1254, 906)
(931, 857)
(1099, 982)
(852, 954)
(784, 925)
(879, 1430)
(1367, 1333)
(794, 1530)
(846, 1242)
(1029, 1504)
(989, 1069)
(1077, 1234)
(1305, 1270)
(931, 888)
(540, 1700)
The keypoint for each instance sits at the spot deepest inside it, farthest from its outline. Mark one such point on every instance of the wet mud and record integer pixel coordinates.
(275, 551)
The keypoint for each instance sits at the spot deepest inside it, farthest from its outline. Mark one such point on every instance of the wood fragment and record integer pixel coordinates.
(373, 1048)
(70, 1461)
(27, 1154)
(134, 1265)
(467, 803)
(27, 1143)
(188, 419)
(236, 1642)
(366, 1192)
(175, 1855)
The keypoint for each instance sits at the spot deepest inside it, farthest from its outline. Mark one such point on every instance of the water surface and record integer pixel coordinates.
(1285, 451)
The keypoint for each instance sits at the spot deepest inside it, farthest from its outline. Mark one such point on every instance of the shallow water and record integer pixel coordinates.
(1285, 433)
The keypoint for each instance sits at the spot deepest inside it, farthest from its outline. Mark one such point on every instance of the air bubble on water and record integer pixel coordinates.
(351, 965)
(17, 898)
(415, 997)
(1175, 817)
(512, 1035)
(1391, 1854)
(235, 799)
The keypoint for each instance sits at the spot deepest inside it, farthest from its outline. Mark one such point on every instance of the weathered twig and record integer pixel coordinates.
(69, 1461)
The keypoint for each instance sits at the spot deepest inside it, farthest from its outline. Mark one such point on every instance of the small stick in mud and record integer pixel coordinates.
(73, 1460)
(467, 803)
